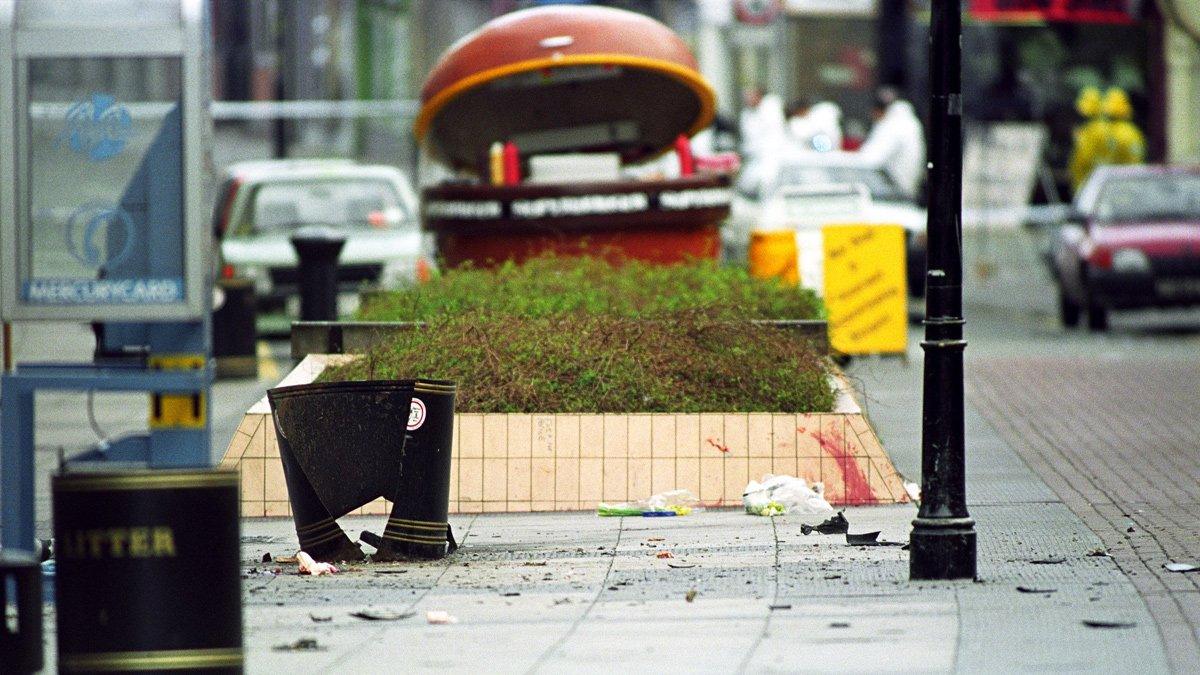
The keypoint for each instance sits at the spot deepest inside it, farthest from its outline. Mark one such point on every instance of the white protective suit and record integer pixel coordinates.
(819, 129)
(897, 142)
(764, 140)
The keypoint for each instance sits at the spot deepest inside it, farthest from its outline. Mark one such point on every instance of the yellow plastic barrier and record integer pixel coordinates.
(865, 293)
(773, 256)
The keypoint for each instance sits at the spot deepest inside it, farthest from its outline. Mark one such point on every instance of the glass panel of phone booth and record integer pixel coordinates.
(104, 196)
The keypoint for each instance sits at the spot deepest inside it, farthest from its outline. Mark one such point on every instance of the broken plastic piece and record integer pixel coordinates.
(301, 645)
(1093, 623)
(863, 538)
(1030, 589)
(310, 566)
(835, 524)
(1180, 567)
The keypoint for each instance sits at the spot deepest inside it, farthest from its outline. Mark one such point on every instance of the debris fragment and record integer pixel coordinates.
(670, 503)
(301, 645)
(538, 563)
(287, 560)
(310, 566)
(664, 554)
(1180, 567)
(774, 608)
(690, 595)
(391, 571)
(869, 539)
(681, 566)
(1093, 623)
(779, 495)
(1048, 561)
(835, 524)
(1097, 553)
(655, 539)
(913, 490)
(1031, 589)
(266, 557)
(373, 614)
(510, 594)
(321, 618)
(839, 624)
(440, 618)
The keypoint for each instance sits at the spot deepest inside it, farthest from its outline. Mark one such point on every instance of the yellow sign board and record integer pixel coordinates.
(865, 292)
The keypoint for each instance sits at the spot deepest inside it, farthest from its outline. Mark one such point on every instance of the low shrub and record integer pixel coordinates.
(579, 335)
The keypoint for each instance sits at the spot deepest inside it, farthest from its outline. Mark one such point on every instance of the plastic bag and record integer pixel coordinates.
(671, 503)
(779, 495)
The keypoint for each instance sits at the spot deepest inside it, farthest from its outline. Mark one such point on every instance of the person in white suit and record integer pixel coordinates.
(897, 141)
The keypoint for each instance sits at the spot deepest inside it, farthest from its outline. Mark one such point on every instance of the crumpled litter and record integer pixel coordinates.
(670, 503)
(438, 617)
(779, 495)
(310, 566)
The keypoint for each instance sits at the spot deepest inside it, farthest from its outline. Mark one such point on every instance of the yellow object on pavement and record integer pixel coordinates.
(773, 255)
(866, 296)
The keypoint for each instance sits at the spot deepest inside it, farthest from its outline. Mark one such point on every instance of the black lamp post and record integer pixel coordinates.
(942, 544)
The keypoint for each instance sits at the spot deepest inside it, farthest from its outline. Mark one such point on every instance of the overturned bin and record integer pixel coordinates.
(344, 444)
(549, 118)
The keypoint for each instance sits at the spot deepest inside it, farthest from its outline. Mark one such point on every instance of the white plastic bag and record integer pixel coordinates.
(779, 495)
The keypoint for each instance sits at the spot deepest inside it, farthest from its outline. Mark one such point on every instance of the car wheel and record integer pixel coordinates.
(1097, 319)
(1068, 311)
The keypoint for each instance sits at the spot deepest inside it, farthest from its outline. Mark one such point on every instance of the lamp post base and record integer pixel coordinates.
(942, 548)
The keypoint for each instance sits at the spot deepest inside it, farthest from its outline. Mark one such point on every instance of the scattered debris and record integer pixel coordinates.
(1030, 589)
(863, 538)
(301, 645)
(373, 614)
(1180, 567)
(321, 618)
(671, 503)
(690, 595)
(655, 539)
(510, 594)
(663, 554)
(681, 566)
(1129, 529)
(835, 524)
(1048, 561)
(914, 492)
(779, 495)
(310, 566)
(833, 576)
(562, 601)
(440, 618)
(839, 624)
(538, 563)
(774, 608)
(1093, 623)
(1097, 553)
(266, 557)
(287, 560)
(391, 571)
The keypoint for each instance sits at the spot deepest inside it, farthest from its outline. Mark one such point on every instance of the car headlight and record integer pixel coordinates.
(1130, 260)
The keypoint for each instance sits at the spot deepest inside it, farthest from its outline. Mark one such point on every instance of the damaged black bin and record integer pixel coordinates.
(344, 444)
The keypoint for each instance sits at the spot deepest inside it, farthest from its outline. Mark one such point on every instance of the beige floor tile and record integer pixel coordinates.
(736, 434)
(759, 431)
(566, 435)
(783, 435)
(253, 478)
(276, 484)
(520, 471)
(759, 466)
(662, 435)
(641, 435)
(737, 474)
(470, 480)
(520, 435)
(542, 485)
(495, 479)
(712, 479)
(470, 436)
(712, 435)
(616, 436)
(687, 474)
(543, 435)
(662, 470)
(687, 436)
(276, 509)
(591, 435)
(616, 479)
(495, 436)
(640, 478)
(566, 479)
(591, 478)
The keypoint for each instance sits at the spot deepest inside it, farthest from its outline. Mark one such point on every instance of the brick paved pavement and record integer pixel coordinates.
(1118, 440)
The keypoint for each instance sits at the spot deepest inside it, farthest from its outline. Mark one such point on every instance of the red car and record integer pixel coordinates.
(1132, 242)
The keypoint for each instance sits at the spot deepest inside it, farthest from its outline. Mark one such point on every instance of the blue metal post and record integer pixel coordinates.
(16, 465)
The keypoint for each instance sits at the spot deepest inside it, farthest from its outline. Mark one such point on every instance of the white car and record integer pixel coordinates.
(262, 204)
(802, 191)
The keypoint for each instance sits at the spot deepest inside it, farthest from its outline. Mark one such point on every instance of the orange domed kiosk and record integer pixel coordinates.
(582, 94)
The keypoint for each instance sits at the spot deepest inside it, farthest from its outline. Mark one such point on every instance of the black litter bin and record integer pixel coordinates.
(234, 333)
(21, 643)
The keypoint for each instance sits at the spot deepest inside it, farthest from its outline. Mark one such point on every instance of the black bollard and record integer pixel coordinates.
(318, 249)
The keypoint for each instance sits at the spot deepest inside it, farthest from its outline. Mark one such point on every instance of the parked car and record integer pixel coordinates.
(804, 190)
(1132, 241)
(261, 204)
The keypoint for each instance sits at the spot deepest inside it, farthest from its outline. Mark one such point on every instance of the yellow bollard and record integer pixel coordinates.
(773, 256)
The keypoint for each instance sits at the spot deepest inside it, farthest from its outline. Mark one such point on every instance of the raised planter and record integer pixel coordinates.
(567, 462)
